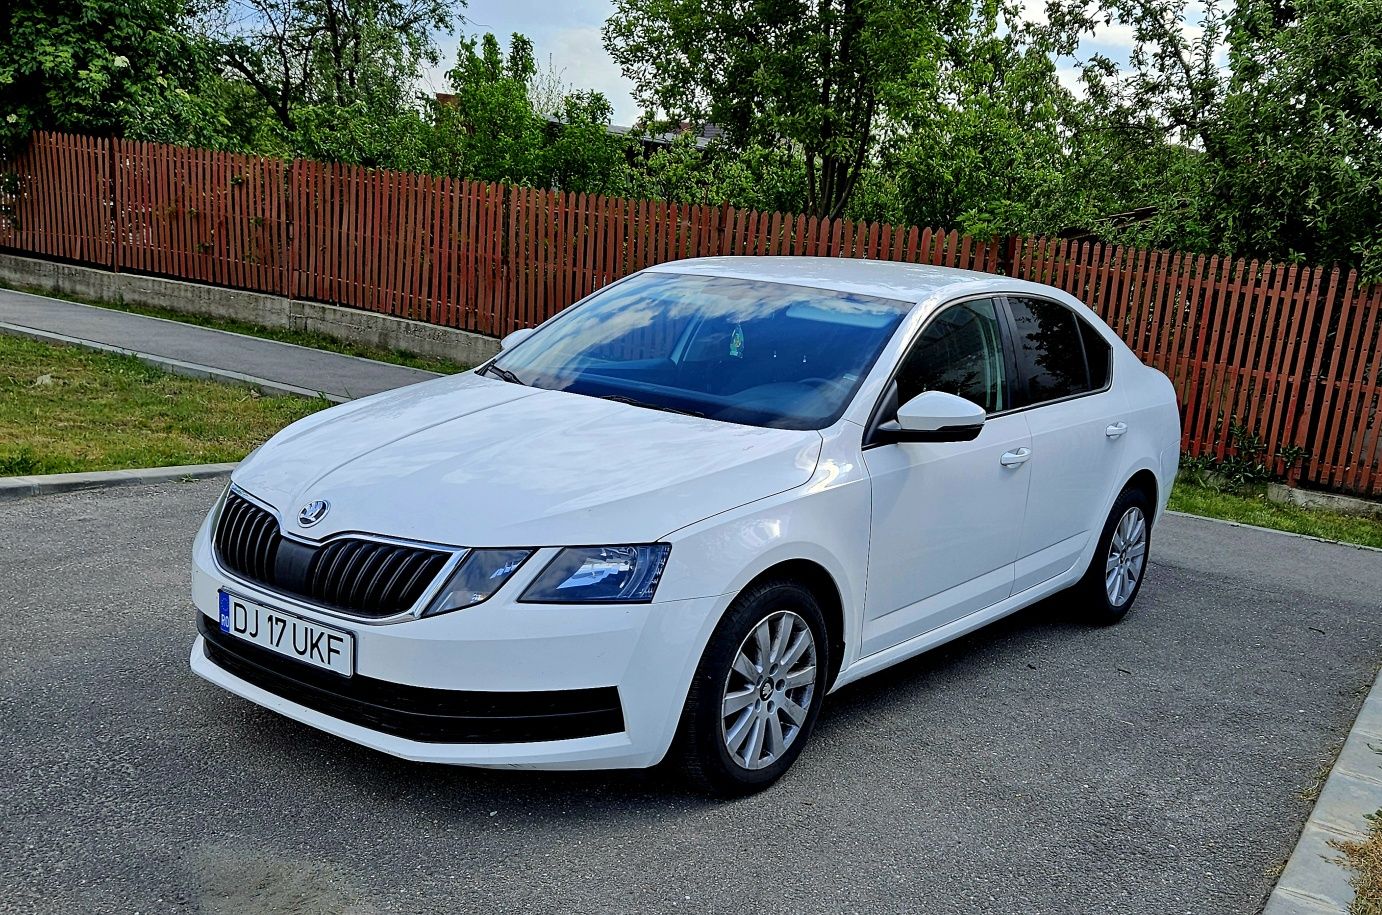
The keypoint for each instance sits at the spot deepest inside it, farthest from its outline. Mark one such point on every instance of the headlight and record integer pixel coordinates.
(600, 574)
(479, 575)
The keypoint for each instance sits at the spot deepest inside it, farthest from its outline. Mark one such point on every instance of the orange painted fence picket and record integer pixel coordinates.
(55, 200)
(199, 215)
(1287, 353)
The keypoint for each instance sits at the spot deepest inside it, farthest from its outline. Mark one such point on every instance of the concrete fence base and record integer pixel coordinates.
(349, 325)
(1328, 501)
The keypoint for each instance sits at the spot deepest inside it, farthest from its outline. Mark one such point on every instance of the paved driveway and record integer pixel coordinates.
(1158, 766)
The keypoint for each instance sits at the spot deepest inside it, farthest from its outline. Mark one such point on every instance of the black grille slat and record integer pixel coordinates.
(364, 577)
(236, 528)
(420, 577)
(355, 572)
(396, 577)
(373, 588)
(263, 548)
(321, 568)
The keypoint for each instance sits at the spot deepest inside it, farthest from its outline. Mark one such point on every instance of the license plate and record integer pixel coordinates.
(293, 636)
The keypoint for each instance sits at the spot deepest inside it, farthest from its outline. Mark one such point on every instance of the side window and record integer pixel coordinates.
(960, 352)
(1098, 352)
(1050, 353)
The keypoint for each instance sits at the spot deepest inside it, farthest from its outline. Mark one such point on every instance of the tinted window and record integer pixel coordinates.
(1099, 353)
(1050, 354)
(743, 351)
(960, 352)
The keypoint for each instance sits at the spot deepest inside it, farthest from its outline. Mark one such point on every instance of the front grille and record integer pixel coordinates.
(416, 712)
(363, 577)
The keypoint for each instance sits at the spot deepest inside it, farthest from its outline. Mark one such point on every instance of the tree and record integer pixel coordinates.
(489, 128)
(1276, 155)
(362, 55)
(983, 149)
(486, 127)
(818, 75)
(131, 68)
(756, 177)
(1297, 171)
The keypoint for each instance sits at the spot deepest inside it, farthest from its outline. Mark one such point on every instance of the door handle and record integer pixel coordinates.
(1116, 429)
(1015, 458)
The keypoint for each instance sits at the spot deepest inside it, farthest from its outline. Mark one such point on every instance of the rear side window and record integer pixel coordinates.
(1097, 352)
(1050, 351)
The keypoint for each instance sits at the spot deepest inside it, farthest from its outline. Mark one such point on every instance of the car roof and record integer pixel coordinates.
(884, 279)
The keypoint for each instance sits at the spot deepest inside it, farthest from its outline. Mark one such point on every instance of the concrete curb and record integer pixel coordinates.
(23, 487)
(176, 366)
(1272, 530)
(1315, 880)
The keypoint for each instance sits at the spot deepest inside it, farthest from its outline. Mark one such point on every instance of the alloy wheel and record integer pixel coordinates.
(769, 690)
(1127, 554)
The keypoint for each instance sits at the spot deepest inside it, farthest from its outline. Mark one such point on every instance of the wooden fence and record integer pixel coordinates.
(1290, 353)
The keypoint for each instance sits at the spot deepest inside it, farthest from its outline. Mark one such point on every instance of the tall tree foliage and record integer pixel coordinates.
(820, 75)
(129, 67)
(1297, 170)
(489, 126)
(337, 77)
(984, 148)
(1255, 130)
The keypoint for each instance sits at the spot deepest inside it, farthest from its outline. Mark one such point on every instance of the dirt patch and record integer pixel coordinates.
(233, 882)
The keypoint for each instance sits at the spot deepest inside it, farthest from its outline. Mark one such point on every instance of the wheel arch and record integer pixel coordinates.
(822, 584)
(1145, 481)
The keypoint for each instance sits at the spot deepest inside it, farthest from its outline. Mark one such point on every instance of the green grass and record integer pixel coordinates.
(284, 335)
(64, 409)
(1251, 507)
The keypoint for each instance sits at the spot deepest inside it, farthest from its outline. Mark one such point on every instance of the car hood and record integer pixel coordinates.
(473, 461)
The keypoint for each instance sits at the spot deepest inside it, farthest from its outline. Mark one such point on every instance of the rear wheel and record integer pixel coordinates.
(1119, 566)
(757, 691)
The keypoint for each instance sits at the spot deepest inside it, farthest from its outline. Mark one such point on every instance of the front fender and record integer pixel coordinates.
(825, 522)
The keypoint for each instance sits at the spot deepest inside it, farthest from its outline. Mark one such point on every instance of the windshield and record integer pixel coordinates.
(743, 351)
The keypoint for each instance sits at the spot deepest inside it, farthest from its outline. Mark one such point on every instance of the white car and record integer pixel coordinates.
(679, 513)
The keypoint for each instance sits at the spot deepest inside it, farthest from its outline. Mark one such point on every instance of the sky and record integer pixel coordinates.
(566, 33)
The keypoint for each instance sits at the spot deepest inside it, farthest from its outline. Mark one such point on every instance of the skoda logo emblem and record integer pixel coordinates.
(313, 512)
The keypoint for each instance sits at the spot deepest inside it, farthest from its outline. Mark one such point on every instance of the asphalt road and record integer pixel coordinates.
(1160, 766)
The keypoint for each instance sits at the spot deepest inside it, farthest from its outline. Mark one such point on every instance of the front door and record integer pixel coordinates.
(947, 516)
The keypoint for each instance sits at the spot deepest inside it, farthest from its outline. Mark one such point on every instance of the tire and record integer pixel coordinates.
(1104, 598)
(717, 751)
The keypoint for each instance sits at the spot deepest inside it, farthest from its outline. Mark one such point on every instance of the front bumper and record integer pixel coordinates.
(499, 684)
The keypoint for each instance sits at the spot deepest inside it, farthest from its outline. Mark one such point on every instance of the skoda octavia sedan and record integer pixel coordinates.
(673, 518)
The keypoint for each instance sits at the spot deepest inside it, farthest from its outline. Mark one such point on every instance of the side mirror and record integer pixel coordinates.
(515, 338)
(935, 416)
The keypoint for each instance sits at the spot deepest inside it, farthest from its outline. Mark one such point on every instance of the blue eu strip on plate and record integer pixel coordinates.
(225, 611)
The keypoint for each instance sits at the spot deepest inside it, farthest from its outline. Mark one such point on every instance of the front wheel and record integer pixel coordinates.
(757, 691)
(1115, 574)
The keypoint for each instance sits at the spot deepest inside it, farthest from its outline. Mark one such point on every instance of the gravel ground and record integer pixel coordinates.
(1161, 766)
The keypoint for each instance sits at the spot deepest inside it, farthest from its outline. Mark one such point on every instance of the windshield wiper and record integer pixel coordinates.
(620, 398)
(503, 374)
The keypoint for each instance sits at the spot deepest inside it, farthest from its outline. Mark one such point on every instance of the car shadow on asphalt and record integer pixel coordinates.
(473, 793)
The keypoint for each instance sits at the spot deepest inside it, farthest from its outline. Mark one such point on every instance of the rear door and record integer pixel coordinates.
(1077, 421)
